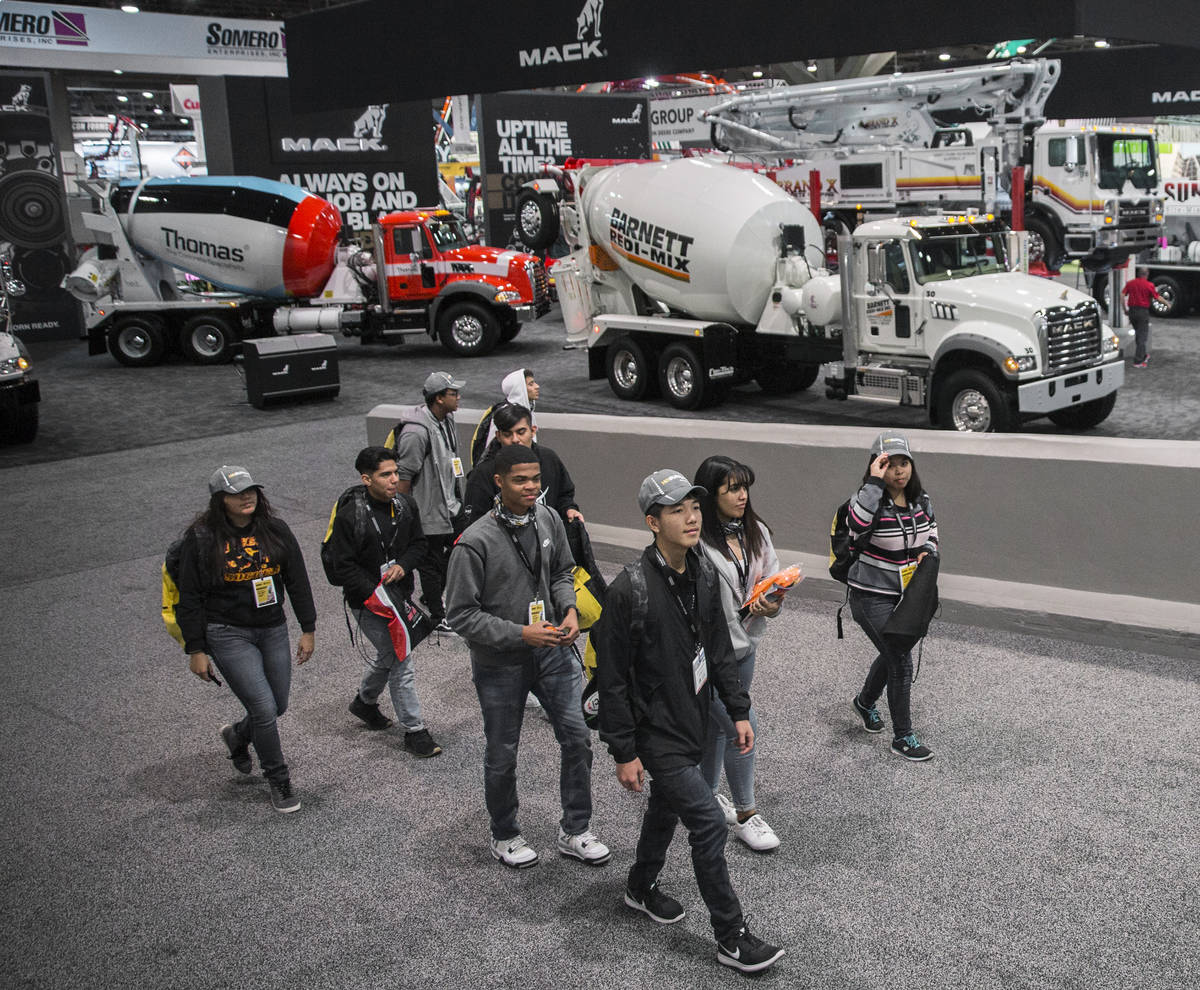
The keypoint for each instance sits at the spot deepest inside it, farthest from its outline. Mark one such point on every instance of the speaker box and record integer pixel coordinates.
(301, 366)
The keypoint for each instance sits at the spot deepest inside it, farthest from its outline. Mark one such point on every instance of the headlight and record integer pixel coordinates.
(1110, 211)
(14, 365)
(1014, 364)
(1111, 343)
(1158, 209)
(507, 296)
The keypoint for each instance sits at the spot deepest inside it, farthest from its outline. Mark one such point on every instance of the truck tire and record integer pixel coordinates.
(1086, 415)
(537, 220)
(1044, 243)
(682, 378)
(468, 329)
(781, 379)
(1175, 297)
(971, 402)
(138, 340)
(630, 371)
(208, 339)
(509, 330)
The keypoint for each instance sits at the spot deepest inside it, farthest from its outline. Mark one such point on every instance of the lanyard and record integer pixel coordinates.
(686, 609)
(384, 545)
(742, 566)
(448, 435)
(535, 568)
(912, 512)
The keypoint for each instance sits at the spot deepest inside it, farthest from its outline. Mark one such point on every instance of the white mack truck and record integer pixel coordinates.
(949, 139)
(691, 276)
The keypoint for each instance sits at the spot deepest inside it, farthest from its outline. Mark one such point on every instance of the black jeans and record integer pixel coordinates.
(432, 569)
(891, 669)
(1139, 319)
(683, 795)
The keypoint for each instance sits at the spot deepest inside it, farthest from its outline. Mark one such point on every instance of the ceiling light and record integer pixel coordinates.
(1101, 43)
(811, 67)
(757, 73)
(122, 98)
(184, 120)
(944, 57)
(118, 72)
(130, 8)
(158, 111)
(146, 93)
(1022, 49)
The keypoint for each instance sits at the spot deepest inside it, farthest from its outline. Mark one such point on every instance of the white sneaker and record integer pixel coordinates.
(585, 847)
(514, 852)
(728, 808)
(757, 834)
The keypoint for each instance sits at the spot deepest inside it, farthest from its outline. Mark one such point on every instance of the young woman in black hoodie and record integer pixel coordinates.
(237, 564)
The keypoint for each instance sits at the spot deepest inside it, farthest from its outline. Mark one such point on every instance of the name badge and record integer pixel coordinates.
(264, 592)
(537, 611)
(906, 573)
(385, 567)
(699, 669)
(456, 463)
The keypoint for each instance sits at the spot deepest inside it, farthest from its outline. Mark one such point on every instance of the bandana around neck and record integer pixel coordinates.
(510, 518)
(733, 527)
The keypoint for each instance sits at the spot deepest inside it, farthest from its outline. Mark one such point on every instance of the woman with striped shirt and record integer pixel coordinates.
(892, 507)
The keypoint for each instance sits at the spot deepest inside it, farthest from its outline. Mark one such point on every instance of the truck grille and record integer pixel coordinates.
(540, 281)
(1134, 214)
(1072, 336)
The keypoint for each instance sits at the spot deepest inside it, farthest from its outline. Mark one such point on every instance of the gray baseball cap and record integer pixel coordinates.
(231, 480)
(890, 443)
(439, 381)
(666, 487)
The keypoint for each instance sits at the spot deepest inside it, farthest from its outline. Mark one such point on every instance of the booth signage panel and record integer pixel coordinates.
(520, 132)
(678, 119)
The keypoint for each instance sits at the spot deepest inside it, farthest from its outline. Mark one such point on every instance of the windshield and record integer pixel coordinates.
(938, 258)
(447, 234)
(1124, 157)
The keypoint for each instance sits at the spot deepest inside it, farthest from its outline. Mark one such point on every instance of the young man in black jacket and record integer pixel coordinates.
(658, 662)
(383, 547)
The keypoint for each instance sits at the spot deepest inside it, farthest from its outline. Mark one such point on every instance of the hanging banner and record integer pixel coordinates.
(62, 37)
(677, 119)
(520, 132)
(364, 160)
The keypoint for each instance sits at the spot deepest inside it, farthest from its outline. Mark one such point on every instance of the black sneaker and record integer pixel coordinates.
(370, 714)
(420, 743)
(747, 952)
(871, 719)
(239, 751)
(283, 798)
(657, 905)
(442, 626)
(911, 749)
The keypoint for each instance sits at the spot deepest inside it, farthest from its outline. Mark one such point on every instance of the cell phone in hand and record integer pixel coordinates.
(212, 676)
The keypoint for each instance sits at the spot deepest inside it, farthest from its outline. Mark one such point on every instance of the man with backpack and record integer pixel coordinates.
(662, 647)
(375, 537)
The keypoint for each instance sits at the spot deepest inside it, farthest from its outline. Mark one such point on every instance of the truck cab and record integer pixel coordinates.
(475, 295)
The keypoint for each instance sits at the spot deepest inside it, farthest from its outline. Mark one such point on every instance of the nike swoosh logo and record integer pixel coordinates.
(734, 955)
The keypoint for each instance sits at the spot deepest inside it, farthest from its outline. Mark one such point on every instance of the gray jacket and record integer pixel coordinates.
(489, 588)
(423, 458)
(744, 635)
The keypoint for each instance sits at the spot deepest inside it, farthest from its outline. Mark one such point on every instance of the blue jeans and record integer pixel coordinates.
(891, 669)
(720, 748)
(386, 668)
(257, 666)
(553, 675)
(684, 795)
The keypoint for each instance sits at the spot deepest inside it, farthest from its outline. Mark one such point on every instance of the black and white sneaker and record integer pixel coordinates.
(283, 798)
(871, 719)
(239, 752)
(442, 626)
(747, 952)
(911, 749)
(656, 905)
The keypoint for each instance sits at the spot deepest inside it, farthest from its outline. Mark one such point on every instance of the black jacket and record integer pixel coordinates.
(557, 487)
(649, 707)
(357, 557)
(228, 597)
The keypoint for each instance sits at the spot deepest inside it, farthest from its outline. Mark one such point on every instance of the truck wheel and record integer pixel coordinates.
(509, 330)
(630, 372)
(208, 339)
(682, 378)
(1175, 298)
(780, 379)
(468, 329)
(1086, 415)
(138, 340)
(1043, 243)
(971, 402)
(537, 220)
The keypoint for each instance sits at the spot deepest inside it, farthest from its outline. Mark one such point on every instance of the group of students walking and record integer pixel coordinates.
(675, 643)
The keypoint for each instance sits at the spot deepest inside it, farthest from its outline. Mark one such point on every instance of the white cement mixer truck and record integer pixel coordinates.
(274, 254)
(689, 277)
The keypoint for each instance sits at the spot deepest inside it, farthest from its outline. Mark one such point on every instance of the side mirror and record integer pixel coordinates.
(876, 265)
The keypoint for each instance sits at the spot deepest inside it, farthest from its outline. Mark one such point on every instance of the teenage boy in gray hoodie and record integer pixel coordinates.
(511, 597)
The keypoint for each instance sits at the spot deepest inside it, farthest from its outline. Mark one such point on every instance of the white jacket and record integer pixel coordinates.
(744, 634)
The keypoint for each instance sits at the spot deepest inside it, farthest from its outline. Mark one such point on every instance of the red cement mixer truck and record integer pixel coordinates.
(275, 254)
(691, 276)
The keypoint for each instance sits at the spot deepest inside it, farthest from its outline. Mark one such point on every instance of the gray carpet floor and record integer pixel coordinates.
(1051, 842)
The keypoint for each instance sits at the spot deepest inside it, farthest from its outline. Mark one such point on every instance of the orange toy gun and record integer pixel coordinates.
(773, 587)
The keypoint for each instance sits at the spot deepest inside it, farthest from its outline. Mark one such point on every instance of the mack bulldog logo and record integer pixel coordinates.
(20, 100)
(651, 246)
(368, 136)
(587, 23)
(633, 118)
(371, 122)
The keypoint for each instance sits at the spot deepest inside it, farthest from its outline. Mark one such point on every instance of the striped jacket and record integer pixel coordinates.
(899, 538)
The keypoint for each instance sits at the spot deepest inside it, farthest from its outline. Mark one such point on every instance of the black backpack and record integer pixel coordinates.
(357, 493)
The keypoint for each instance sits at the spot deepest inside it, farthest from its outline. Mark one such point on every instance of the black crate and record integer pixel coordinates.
(300, 366)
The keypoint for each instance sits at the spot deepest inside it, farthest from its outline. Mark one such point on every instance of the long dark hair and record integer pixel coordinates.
(217, 529)
(912, 491)
(716, 471)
